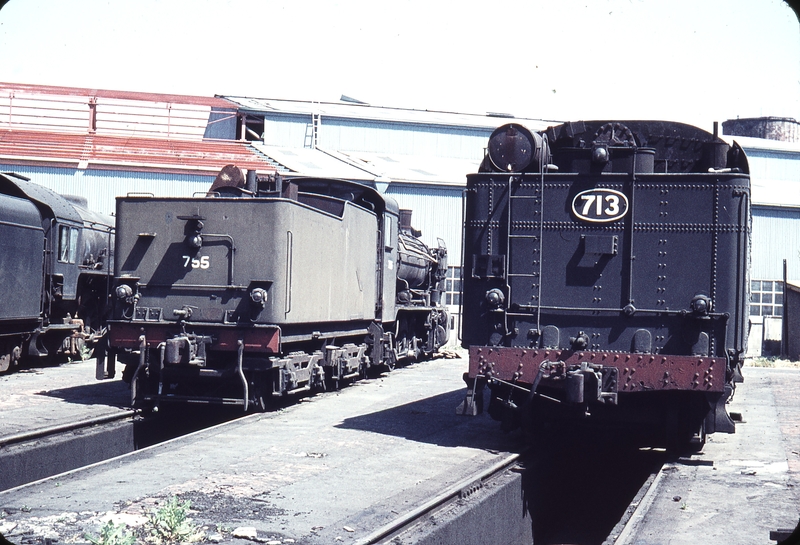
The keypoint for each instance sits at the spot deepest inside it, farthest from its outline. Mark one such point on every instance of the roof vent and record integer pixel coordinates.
(352, 100)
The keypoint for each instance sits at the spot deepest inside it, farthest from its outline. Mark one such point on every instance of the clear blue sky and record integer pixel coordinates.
(695, 61)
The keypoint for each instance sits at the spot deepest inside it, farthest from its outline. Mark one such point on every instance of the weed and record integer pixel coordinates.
(85, 352)
(762, 362)
(171, 524)
(112, 534)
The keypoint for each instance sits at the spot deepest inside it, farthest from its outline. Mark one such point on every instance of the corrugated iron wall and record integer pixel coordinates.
(101, 187)
(436, 212)
(776, 236)
(287, 130)
(294, 130)
(403, 138)
(775, 176)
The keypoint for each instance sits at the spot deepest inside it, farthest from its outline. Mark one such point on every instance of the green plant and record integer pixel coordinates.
(171, 524)
(112, 534)
(86, 352)
(762, 361)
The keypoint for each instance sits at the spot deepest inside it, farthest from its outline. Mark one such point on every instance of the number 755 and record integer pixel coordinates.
(203, 262)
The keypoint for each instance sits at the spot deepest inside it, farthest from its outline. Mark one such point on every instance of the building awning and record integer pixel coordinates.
(83, 151)
(370, 167)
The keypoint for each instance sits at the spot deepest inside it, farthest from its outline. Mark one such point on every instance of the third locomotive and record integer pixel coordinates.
(605, 275)
(264, 288)
(55, 272)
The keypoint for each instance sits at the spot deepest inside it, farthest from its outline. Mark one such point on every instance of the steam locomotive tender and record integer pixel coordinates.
(55, 268)
(265, 288)
(605, 278)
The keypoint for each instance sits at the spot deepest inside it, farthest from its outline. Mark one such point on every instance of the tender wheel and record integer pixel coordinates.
(5, 362)
(698, 439)
(10, 355)
(260, 393)
(260, 403)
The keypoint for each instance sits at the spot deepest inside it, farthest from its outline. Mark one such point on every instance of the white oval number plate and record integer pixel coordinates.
(600, 205)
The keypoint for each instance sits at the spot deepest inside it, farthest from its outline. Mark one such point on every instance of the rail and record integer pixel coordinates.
(63, 428)
(451, 494)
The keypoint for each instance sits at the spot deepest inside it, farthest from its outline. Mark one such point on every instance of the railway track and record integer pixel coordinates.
(43, 452)
(419, 519)
(53, 431)
(387, 458)
(468, 505)
(32, 455)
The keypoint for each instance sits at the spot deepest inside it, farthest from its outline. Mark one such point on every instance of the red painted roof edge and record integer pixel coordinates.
(213, 102)
(104, 152)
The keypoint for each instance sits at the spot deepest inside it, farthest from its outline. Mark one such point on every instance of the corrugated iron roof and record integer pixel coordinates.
(130, 153)
(315, 162)
(442, 171)
(350, 110)
(212, 102)
(66, 109)
(371, 166)
(750, 143)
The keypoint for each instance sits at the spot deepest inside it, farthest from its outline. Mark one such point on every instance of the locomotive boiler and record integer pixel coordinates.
(605, 276)
(268, 287)
(55, 268)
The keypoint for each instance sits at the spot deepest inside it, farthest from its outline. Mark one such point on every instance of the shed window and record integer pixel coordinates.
(452, 295)
(766, 298)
